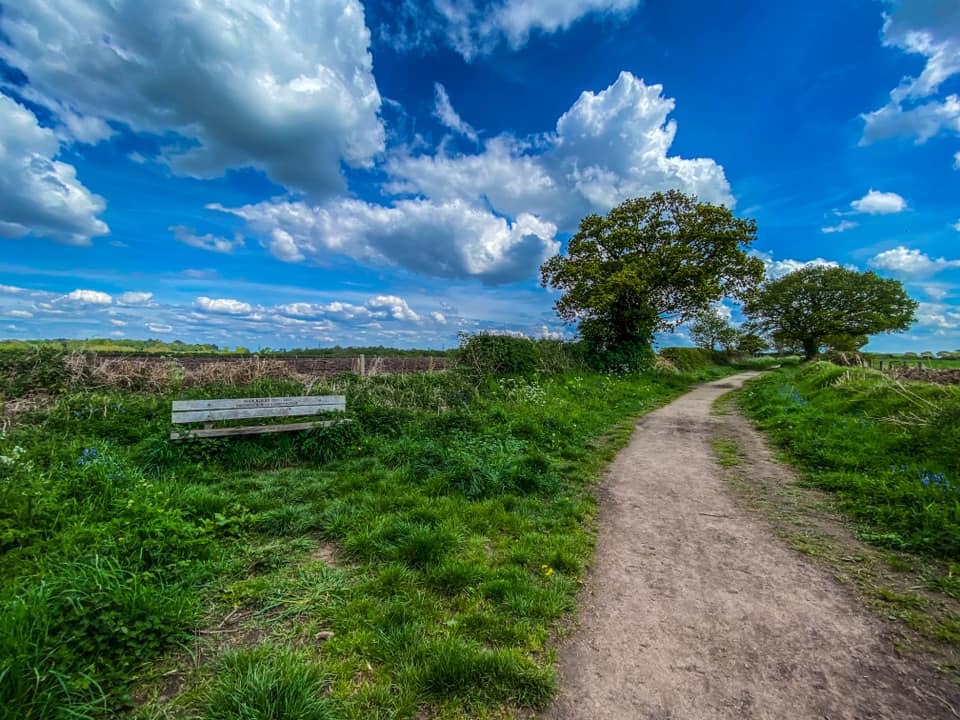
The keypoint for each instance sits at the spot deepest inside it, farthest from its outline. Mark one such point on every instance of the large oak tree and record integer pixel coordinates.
(648, 266)
(814, 305)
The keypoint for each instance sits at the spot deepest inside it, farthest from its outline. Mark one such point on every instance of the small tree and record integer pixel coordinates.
(749, 343)
(812, 304)
(648, 266)
(845, 343)
(710, 329)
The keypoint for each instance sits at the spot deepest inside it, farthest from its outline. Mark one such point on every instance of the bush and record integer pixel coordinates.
(485, 354)
(687, 359)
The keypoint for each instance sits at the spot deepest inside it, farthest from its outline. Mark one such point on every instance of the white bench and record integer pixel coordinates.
(208, 411)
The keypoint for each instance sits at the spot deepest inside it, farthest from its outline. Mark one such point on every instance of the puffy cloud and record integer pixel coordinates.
(779, 268)
(494, 214)
(910, 263)
(88, 297)
(135, 298)
(205, 242)
(38, 194)
(227, 306)
(450, 239)
(283, 247)
(315, 311)
(244, 83)
(930, 28)
(938, 316)
(438, 317)
(444, 112)
(936, 292)
(474, 28)
(609, 146)
(879, 203)
(840, 227)
(394, 306)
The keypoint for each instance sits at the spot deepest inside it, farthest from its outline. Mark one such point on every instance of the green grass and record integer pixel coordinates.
(461, 514)
(889, 451)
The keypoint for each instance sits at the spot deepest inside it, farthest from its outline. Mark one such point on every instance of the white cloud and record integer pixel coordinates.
(956, 161)
(118, 323)
(879, 203)
(24, 314)
(159, 328)
(39, 195)
(956, 226)
(88, 297)
(840, 227)
(394, 306)
(930, 28)
(135, 298)
(936, 292)
(227, 306)
(450, 239)
(779, 268)
(476, 28)
(245, 83)
(609, 146)
(444, 112)
(910, 263)
(438, 317)
(11, 289)
(283, 247)
(494, 214)
(205, 242)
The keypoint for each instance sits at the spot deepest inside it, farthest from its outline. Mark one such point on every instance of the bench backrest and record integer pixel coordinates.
(191, 411)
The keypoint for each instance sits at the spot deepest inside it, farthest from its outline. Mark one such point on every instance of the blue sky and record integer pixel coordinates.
(335, 172)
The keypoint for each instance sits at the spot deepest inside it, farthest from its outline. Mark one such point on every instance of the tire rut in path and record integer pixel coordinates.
(694, 609)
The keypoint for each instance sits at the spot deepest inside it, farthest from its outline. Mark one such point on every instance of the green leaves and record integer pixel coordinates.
(648, 266)
(815, 304)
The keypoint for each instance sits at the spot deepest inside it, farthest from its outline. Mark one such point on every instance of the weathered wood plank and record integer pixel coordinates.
(247, 413)
(231, 403)
(252, 430)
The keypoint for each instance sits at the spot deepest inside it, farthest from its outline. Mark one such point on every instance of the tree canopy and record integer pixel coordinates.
(649, 265)
(814, 305)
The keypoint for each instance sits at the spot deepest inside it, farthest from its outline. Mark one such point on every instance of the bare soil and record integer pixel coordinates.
(696, 609)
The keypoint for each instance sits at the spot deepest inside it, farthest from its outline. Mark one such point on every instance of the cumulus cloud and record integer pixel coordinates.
(40, 195)
(477, 27)
(135, 298)
(910, 263)
(930, 28)
(494, 214)
(227, 306)
(879, 203)
(243, 83)
(188, 236)
(438, 317)
(88, 297)
(450, 239)
(609, 146)
(779, 268)
(840, 227)
(393, 306)
(444, 112)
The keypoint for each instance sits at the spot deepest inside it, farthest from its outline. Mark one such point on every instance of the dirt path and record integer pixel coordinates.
(694, 609)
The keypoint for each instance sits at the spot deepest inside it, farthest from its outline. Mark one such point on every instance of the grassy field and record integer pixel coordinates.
(889, 451)
(412, 563)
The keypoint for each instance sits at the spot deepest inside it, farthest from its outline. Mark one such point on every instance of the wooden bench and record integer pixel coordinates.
(208, 411)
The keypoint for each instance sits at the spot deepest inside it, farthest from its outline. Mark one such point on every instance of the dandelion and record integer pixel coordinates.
(547, 570)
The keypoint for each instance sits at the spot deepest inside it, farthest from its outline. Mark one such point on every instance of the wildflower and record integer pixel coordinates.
(547, 570)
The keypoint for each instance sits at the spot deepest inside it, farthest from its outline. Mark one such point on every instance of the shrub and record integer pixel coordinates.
(486, 354)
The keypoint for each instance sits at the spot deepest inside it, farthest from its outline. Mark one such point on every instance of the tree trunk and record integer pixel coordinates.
(810, 348)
